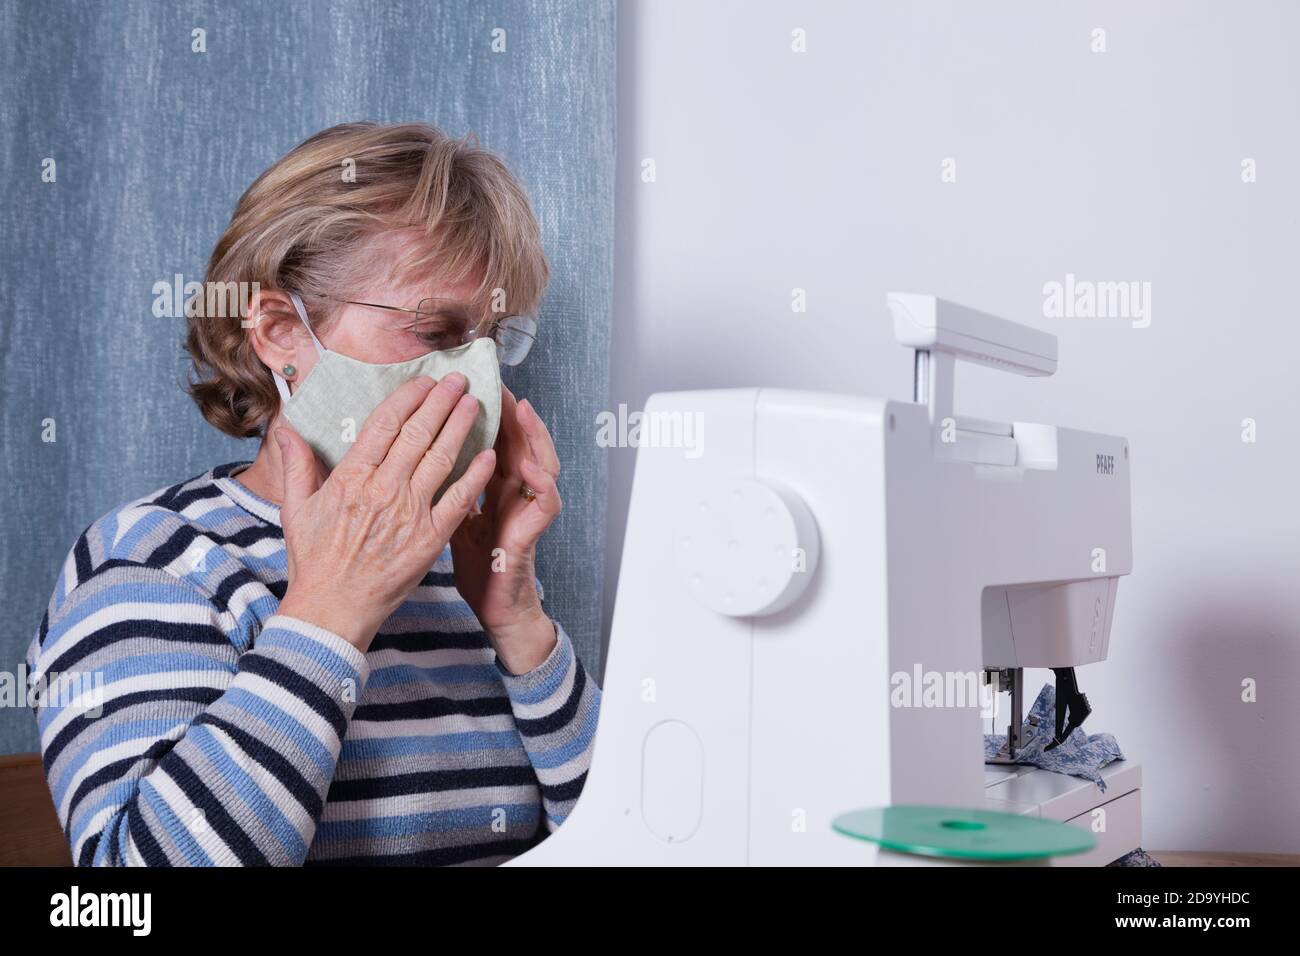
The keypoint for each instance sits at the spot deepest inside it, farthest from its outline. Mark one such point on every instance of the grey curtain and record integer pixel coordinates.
(154, 143)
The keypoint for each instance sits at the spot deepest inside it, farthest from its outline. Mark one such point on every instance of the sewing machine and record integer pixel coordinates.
(782, 582)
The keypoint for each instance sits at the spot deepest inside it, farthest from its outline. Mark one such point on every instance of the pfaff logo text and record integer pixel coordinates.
(1105, 464)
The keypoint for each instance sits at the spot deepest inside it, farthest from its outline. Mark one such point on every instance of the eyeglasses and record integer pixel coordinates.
(446, 324)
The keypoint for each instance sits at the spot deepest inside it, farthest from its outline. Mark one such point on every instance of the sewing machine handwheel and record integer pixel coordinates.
(746, 547)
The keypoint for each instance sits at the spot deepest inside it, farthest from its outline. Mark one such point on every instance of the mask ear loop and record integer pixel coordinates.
(281, 385)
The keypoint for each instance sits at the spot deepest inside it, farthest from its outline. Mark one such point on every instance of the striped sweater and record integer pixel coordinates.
(184, 722)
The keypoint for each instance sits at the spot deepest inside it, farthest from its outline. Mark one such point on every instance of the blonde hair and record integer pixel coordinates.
(308, 226)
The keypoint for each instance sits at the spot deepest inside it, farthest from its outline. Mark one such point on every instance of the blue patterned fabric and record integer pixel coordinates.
(1081, 755)
(1138, 857)
(153, 143)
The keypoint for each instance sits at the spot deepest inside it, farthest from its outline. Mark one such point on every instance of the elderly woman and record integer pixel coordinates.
(308, 660)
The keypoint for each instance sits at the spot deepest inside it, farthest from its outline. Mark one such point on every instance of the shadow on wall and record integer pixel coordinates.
(1221, 705)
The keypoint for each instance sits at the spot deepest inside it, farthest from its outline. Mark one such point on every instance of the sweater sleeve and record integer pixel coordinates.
(556, 706)
(166, 742)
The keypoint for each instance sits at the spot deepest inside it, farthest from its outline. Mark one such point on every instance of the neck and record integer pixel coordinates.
(265, 476)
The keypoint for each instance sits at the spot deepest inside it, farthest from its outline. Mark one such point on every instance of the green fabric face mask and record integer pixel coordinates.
(330, 407)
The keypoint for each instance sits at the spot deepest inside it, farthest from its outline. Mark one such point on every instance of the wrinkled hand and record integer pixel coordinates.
(493, 551)
(360, 542)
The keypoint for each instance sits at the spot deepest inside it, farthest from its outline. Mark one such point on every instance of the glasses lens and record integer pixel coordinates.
(515, 337)
(440, 324)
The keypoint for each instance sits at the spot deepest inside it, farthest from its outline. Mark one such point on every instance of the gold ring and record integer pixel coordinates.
(526, 492)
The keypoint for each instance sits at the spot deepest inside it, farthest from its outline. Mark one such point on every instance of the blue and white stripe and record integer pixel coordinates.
(222, 733)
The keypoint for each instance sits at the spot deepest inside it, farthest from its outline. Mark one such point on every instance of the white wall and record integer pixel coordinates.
(821, 171)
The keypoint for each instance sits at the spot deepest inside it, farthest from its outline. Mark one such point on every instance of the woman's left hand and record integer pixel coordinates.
(493, 550)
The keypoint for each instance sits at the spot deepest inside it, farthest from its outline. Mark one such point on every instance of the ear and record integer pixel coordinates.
(277, 334)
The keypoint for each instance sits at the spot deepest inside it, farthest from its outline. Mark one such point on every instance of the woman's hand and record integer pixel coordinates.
(493, 551)
(360, 542)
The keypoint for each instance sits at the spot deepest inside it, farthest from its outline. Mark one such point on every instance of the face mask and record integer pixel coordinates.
(332, 404)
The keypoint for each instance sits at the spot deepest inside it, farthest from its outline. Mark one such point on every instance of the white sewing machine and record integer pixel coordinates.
(784, 581)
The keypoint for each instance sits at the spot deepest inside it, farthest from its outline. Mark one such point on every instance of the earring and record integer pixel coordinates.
(289, 371)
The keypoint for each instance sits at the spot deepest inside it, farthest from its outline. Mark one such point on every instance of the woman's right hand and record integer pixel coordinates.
(360, 542)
